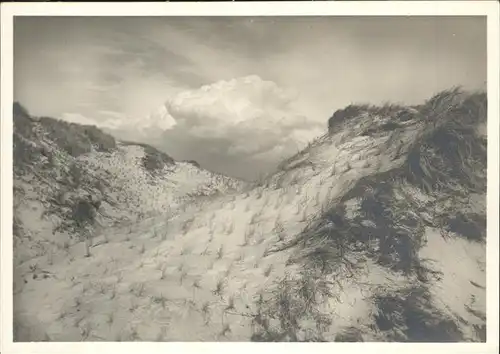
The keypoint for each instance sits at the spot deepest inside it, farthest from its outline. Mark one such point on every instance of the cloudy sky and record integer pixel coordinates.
(236, 94)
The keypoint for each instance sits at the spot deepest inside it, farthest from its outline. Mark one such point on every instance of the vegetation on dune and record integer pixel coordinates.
(193, 162)
(445, 165)
(52, 134)
(74, 139)
(45, 150)
(53, 152)
(451, 157)
(449, 162)
(407, 316)
(394, 113)
(286, 312)
(154, 160)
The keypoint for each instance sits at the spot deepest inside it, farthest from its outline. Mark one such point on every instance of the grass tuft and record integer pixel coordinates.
(219, 287)
(159, 299)
(220, 252)
(268, 270)
(205, 310)
(110, 319)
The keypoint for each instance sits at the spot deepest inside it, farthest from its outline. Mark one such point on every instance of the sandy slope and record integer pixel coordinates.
(203, 273)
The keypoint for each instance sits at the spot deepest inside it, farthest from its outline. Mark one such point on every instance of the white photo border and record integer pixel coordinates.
(490, 9)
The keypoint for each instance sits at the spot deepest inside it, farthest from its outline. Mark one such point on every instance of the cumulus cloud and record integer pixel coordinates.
(123, 127)
(235, 123)
(242, 127)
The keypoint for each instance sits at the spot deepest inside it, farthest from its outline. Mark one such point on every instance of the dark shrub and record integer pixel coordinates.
(407, 114)
(19, 110)
(342, 115)
(23, 124)
(102, 141)
(24, 153)
(77, 139)
(154, 159)
(451, 153)
(470, 226)
(349, 335)
(408, 316)
(194, 163)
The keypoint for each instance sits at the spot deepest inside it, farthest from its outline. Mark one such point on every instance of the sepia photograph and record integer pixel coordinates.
(249, 178)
